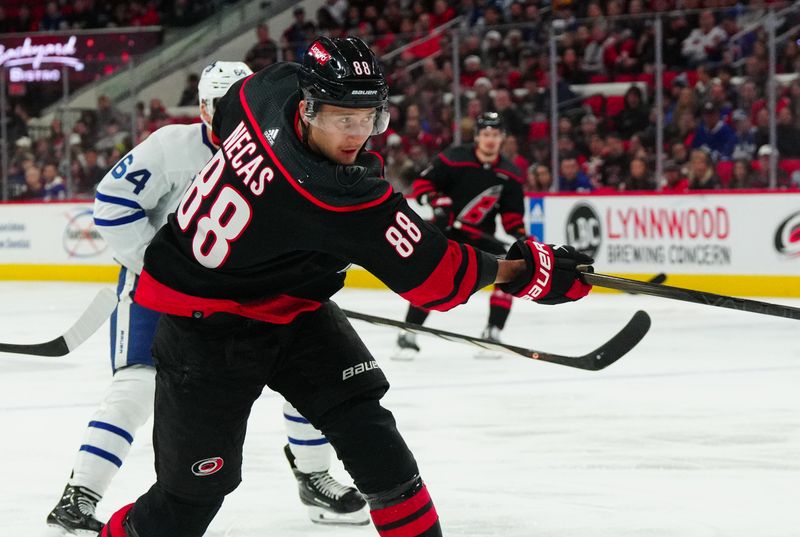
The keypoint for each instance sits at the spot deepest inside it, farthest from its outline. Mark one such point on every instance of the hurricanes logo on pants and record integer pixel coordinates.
(207, 466)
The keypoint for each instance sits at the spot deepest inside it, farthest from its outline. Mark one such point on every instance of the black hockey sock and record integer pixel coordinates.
(416, 315)
(499, 308)
(405, 511)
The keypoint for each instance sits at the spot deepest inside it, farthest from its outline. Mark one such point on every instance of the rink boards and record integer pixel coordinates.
(738, 243)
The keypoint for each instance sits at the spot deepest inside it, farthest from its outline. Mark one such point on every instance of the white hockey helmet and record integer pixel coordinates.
(215, 81)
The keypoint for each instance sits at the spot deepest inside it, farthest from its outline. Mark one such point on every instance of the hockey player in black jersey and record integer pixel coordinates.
(243, 273)
(467, 186)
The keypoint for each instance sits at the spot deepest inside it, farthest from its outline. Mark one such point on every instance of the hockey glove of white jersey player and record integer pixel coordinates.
(551, 276)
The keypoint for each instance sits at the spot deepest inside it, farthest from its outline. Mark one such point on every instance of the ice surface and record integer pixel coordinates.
(696, 433)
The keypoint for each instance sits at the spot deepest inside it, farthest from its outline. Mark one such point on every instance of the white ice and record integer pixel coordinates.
(696, 433)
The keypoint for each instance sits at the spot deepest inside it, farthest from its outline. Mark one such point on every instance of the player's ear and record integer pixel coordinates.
(301, 107)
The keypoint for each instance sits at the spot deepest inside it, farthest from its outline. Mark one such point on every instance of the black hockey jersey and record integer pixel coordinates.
(478, 190)
(267, 229)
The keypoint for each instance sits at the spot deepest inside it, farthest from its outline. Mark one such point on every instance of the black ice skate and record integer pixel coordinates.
(407, 348)
(328, 501)
(74, 514)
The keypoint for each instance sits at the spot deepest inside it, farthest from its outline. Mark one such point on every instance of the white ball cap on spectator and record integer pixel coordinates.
(74, 139)
(483, 81)
(765, 150)
(494, 34)
(394, 140)
(472, 59)
(24, 141)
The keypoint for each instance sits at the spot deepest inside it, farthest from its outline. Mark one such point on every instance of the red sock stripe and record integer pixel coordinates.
(114, 527)
(393, 513)
(414, 528)
(500, 299)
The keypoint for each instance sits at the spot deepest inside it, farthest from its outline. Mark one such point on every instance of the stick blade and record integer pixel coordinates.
(608, 353)
(87, 324)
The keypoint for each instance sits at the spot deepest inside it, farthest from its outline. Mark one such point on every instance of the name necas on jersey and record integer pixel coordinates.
(479, 190)
(267, 227)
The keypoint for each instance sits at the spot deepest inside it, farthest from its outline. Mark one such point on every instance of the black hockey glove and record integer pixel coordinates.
(551, 276)
(442, 206)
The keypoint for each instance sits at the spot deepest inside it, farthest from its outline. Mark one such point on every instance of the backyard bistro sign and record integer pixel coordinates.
(30, 62)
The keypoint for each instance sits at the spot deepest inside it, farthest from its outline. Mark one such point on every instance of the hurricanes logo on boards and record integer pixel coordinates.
(80, 238)
(207, 466)
(787, 237)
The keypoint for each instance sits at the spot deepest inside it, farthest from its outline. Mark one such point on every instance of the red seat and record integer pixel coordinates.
(614, 105)
(669, 76)
(691, 78)
(539, 130)
(725, 171)
(595, 102)
(647, 78)
(625, 77)
(789, 165)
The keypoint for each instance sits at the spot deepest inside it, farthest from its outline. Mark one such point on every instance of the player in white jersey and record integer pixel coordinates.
(132, 203)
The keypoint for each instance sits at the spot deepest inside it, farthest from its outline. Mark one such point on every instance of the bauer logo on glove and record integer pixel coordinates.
(551, 275)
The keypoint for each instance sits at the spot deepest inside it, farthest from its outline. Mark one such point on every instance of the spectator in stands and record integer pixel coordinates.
(52, 20)
(743, 175)
(512, 118)
(92, 170)
(704, 44)
(399, 167)
(701, 172)
(679, 153)
(6, 25)
(587, 130)
(615, 162)
(538, 179)
(189, 95)
(639, 176)
(635, 116)
(55, 188)
(472, 71)
(263, 53)
(676, 31)
(713, 135)
(788, 135)
(25, 21)
(295, 37)
(681, 129)
(592, 61)
(114, 138)
(761, 179)
(84, 15)
(674, 181)
(106, 112)
(572, 178)
(532, 104)
(333, 13)
(510, 150)
(745, 146)
(34, 187)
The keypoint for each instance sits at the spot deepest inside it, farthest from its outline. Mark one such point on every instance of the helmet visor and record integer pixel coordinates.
(351, 121)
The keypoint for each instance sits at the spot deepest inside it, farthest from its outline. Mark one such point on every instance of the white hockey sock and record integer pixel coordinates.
(127, 405)
(310, 448)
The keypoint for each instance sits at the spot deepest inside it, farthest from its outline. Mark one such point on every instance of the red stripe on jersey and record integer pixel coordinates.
(280, 309)
(511, 221)
(511, 174)
(380, 157)
(406, 508)
(420, 187)
(292, 181)
(458, 164)
(445, 288)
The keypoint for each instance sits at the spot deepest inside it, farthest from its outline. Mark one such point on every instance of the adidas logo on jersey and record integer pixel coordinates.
(271, 134)
(358, 369)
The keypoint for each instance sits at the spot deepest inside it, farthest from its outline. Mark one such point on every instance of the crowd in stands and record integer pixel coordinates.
(716, 122)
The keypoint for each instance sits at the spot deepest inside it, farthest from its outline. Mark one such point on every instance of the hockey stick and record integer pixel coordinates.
(600, 358)
(658, 279)
(689, 295)
(87, 324)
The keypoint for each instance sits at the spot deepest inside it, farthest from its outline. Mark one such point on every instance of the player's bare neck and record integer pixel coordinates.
(486, 158)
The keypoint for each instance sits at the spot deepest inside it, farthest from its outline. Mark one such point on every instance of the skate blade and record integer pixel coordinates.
(54, 530)
(404, 355)
(318, 515)
(486, 354)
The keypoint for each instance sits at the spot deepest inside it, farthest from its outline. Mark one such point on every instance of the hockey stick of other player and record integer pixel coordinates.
(657, 279)
(87, 324)
(600, 358)
(689, 295)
